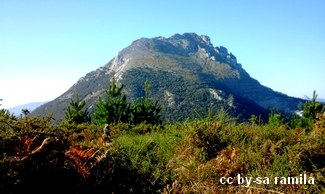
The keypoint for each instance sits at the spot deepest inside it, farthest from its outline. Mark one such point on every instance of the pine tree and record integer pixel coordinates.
(312, 108)
(114, 108)
(25, 112)
(76, 112)
(145, 110)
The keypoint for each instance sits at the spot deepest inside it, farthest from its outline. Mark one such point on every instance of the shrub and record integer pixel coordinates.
(114, 108)
(207, 138)
(146, 111)
(76, 112)
(275, 119)
(312, 108)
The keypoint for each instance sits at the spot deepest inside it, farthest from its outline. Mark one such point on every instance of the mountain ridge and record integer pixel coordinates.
(16, 110)
(189, 76)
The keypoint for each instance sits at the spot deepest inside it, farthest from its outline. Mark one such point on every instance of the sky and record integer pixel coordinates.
(46, 46)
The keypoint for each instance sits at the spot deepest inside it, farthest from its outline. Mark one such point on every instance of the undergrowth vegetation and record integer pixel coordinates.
(187, 157)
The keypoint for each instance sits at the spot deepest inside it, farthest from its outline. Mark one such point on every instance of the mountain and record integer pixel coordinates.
(321, 100)
(29, 106)
(187, 74)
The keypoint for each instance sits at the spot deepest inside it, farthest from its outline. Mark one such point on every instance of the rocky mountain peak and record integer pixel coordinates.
(188, 76)
(181, 45)
(193, 38)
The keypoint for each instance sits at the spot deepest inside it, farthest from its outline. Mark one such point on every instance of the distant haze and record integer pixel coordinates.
(30, 106)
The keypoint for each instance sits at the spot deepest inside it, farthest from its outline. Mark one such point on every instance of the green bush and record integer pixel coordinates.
(114, 108)
(76, 112)
(312, 108)
(146, 111)
(275, 119)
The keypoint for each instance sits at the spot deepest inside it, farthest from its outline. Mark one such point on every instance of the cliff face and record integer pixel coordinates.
(188, 75)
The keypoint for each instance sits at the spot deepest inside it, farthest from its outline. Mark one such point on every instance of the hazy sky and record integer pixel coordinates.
(46, 46)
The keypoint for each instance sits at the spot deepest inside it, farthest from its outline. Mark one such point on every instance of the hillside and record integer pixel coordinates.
(188, 75)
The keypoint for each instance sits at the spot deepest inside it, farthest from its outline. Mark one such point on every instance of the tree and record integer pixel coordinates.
(275, 119)
(76, 112)
(145, 110)
(312, 108)
(114, 108)
(25, 112)
(5, 114)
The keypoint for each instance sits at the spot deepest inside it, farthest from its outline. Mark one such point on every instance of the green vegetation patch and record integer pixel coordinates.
(214, 154)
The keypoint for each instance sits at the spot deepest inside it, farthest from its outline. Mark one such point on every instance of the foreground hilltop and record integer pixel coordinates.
(187, 74)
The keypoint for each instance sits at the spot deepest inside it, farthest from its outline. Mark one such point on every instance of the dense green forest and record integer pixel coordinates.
(137, 153)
